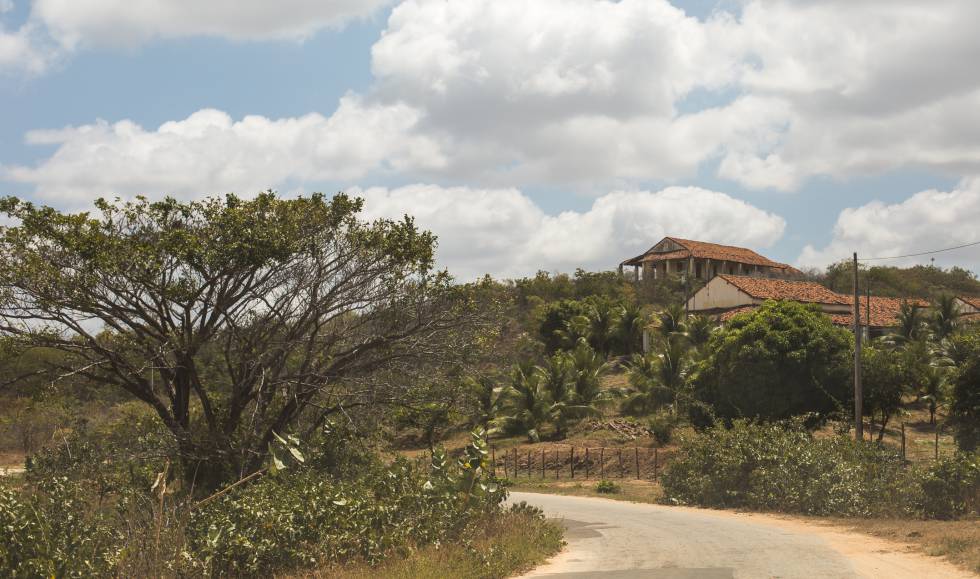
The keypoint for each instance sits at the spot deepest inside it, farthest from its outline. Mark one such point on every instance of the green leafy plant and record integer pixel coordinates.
(607, 487)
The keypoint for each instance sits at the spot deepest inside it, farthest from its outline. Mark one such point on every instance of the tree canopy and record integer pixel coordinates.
(781, 360)
(233, 319)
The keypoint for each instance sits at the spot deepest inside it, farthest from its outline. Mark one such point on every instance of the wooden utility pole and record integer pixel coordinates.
(858, 394)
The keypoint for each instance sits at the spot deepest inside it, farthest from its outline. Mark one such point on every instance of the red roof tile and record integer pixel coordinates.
(884, 311)
(727, 315)
(971, 301)
(782, 289)
(716, 251)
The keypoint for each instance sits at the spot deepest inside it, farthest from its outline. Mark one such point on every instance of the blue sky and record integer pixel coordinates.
(573, 133)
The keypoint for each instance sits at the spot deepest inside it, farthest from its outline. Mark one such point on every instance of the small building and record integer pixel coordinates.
(728, 295)
(673, 255)
(968, 307)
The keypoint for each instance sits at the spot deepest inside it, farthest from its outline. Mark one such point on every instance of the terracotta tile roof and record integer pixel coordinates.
(970, 301)
(782, 289)
(703, 249)
(884, 311)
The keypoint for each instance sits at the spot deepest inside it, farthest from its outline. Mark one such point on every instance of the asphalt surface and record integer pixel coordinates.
(621, 540)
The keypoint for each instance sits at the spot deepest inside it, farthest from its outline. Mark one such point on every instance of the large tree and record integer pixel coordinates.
(235, 320)
(781, 360)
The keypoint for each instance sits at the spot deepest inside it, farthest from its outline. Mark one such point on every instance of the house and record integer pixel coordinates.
(673, 255)
(726, 296)
(726, 293)
(968, 307)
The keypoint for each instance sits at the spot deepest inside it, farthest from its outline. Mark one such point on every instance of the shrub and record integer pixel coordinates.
(607, 487)
(662, 427)
(781, 467)
(965, 409)
(950, 487)
(53, 533)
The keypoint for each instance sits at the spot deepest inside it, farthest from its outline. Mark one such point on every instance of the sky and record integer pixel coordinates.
(544, 135)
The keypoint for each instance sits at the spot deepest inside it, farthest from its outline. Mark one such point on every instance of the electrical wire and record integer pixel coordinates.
(919, 254)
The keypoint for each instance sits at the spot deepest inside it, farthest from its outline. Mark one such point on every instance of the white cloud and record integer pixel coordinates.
(927, 221)
(208, 153)
(24, 50)
(101, 22)
(581, 93)
(504, 233)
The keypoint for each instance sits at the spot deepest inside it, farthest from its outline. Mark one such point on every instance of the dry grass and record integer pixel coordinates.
(957, 541)
(637, 491)
(505, 546)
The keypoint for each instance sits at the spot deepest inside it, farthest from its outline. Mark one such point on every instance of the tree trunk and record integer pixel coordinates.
(884, 421)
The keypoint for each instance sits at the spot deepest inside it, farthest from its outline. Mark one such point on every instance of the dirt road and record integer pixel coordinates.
(621, 540)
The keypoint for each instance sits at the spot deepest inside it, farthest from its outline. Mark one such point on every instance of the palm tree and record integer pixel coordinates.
(557, 380)
(659, 378)
(671, 320)
(629, 328)
(944, 316)
(576, 329)
(587, 368)
(910, 323)
(528, 403)
(602, 326)
(699, 330)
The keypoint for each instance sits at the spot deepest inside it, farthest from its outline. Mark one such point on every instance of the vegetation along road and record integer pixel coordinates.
(620, 540)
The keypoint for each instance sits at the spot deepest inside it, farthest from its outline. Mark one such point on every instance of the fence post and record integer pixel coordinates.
(602, 462)
(529, 463)
(517, 471)
(620, 453)
(656, 462)
(903, 440)
(542, 464)
(571, 462)
(586, 463)
(636, 461)
(493, 462)
(557, 464)
(937, 440)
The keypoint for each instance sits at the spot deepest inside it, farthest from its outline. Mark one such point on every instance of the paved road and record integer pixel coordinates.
(622, 540)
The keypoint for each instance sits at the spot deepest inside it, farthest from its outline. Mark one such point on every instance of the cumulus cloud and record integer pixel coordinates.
(209, 152)
(504, 233)
(927, 221)
(99, 22)
(24, 50)
(591, 94)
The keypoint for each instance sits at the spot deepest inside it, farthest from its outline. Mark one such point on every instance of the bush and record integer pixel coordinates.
(950, 487)
(53, 533)
(783, 359)
(662, 427)
(607, 487)
(965, 409)
(781, 467)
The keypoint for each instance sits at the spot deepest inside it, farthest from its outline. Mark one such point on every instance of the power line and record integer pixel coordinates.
(922, 253)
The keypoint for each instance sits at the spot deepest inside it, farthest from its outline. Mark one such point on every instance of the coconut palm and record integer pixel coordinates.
(670, 320)
(659, 378)
(699, 330)
(944, 317)
(587, 368)
(910, 323)
(629, 328)
(556, 378)
(602, 326)
(489, 400)
(528, 403)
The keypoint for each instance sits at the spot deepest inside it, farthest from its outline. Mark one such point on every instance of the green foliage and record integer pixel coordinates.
(944, 316)
(54, 533)
(659, 378)
(884, 381)
(889, 281)
(607, 487)
(951, 487)
(783, 359)
(965, 407)
(556, 320)
(662, 426)
(781, 467)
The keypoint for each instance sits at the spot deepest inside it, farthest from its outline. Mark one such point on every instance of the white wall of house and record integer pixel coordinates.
(718, 294)
(964, 308)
